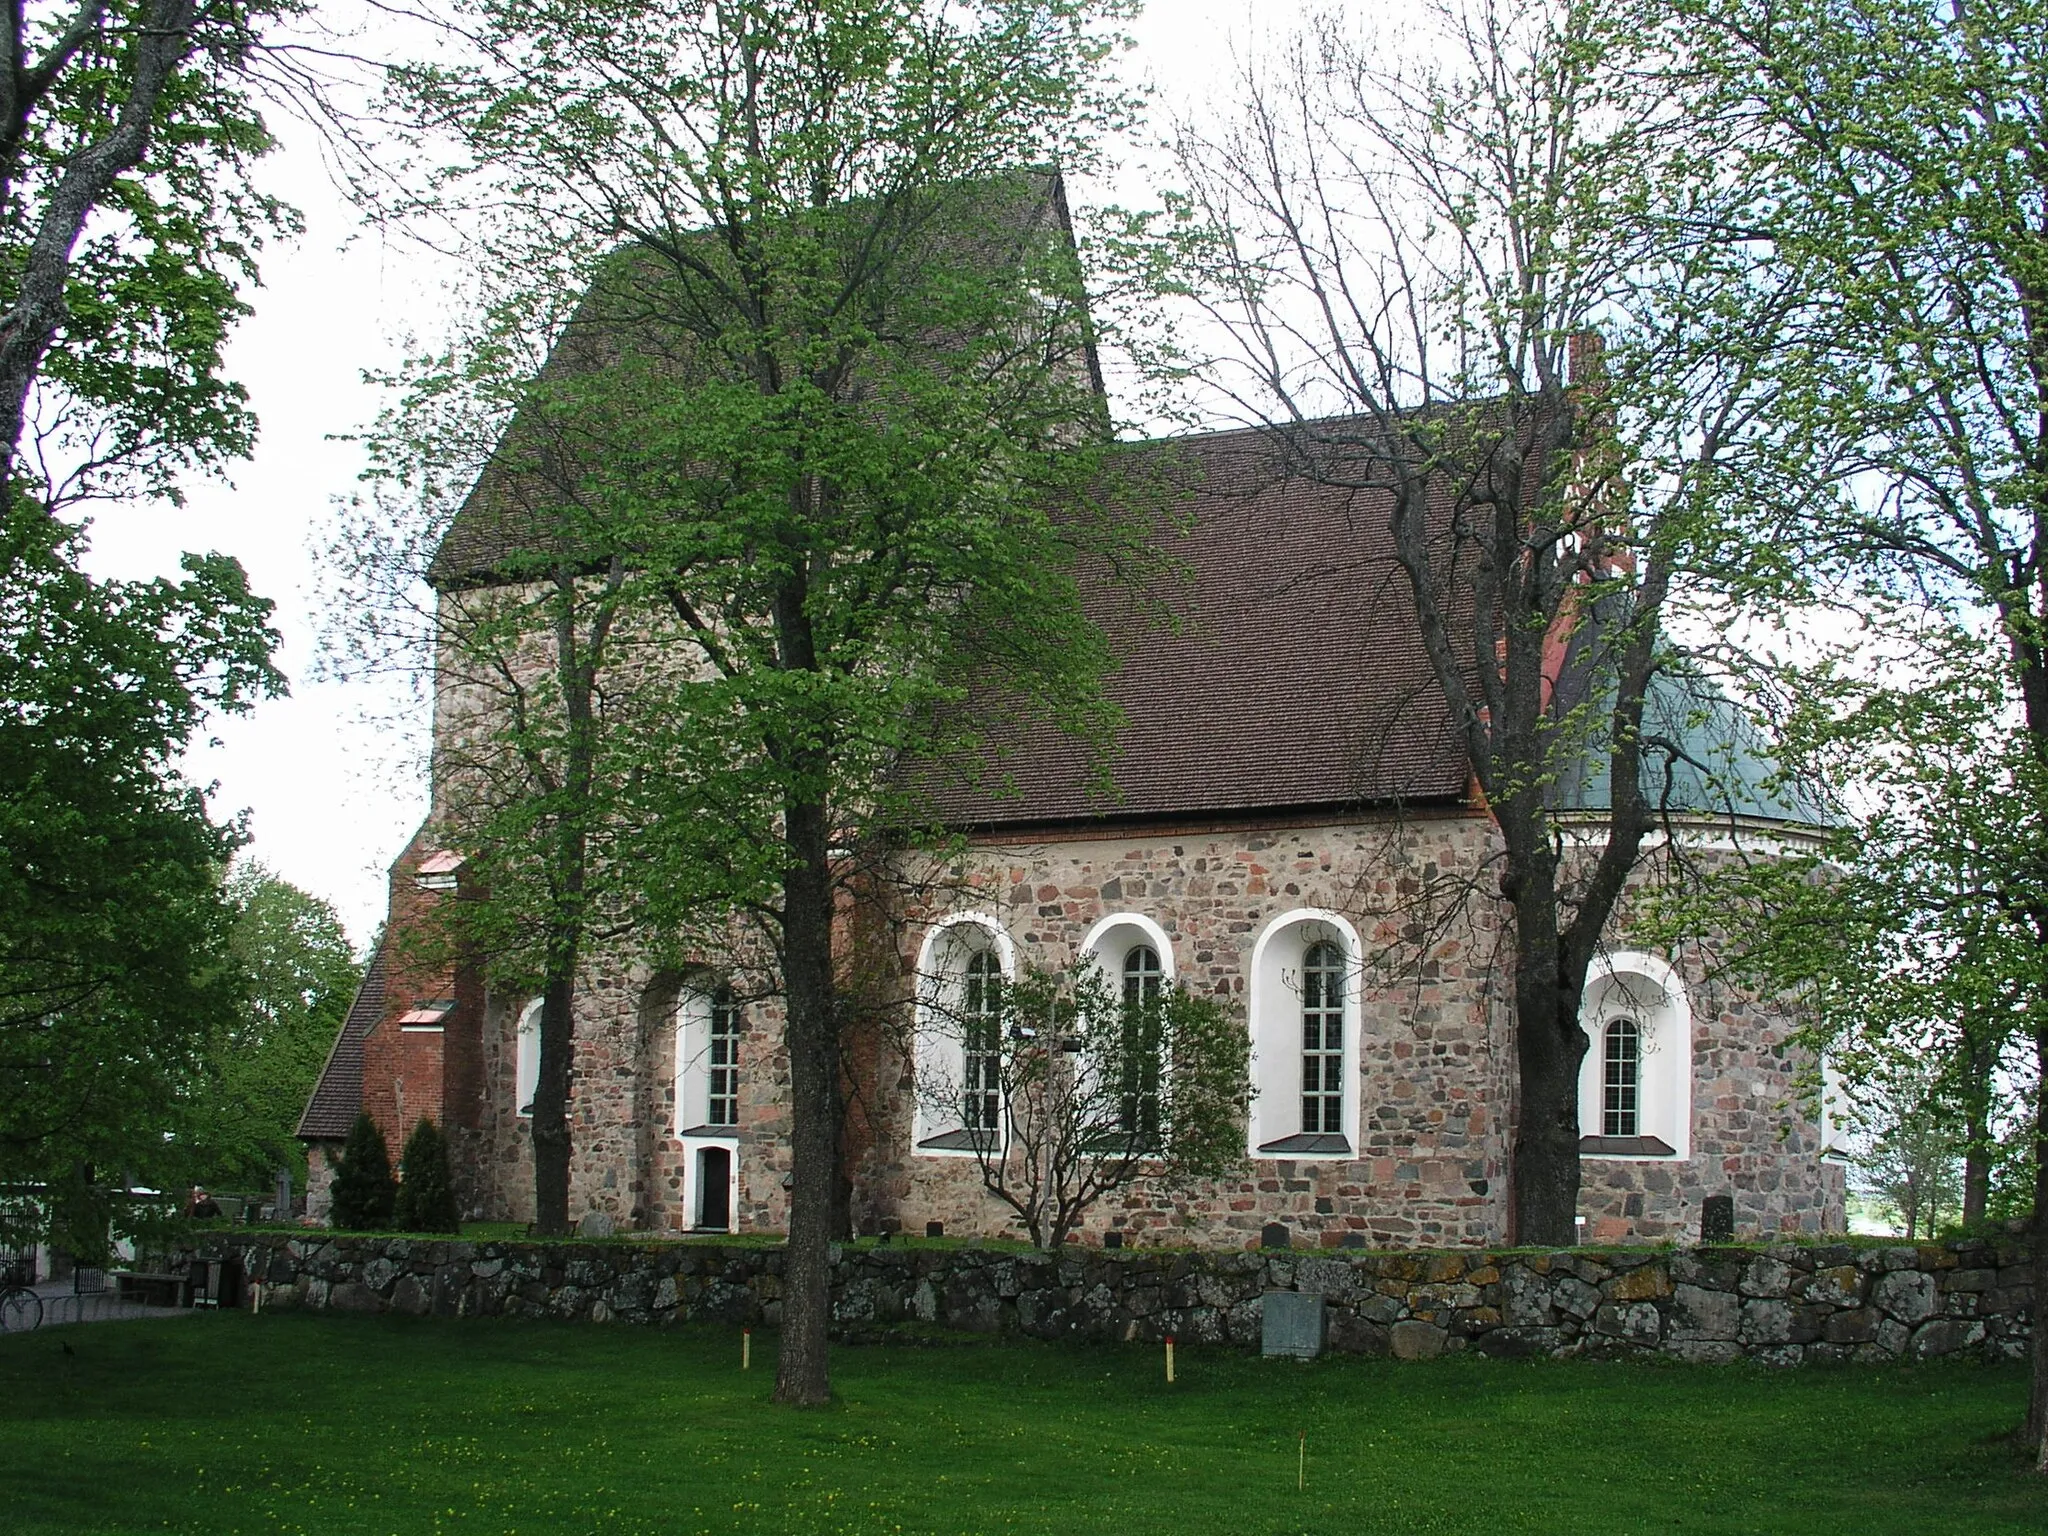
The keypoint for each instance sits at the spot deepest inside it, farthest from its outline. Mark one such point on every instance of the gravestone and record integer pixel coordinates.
(1292, 1324)
(1717, 1219)
(596, 1224)
(1274, 1235)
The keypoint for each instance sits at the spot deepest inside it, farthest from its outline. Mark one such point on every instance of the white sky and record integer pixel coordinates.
(329, 799)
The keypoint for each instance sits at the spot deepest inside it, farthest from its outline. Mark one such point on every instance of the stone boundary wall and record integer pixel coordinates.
(1781, 1305)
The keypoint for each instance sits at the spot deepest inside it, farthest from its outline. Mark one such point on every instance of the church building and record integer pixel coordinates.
(1290, 795)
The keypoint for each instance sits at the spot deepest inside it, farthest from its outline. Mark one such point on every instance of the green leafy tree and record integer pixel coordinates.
(1897, 174)
(824, 427)
(127, 233)
(1080, 1089)
(426, 1187)
(365, 1194)
(300, 975)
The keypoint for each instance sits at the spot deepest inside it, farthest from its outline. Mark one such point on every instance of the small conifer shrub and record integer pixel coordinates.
(426, 1191)
(364, 1190)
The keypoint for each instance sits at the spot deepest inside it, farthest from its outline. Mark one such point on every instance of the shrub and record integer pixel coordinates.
(426, 1192)
(364, 1190)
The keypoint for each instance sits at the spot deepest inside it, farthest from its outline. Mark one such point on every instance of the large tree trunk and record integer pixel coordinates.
(1979, 1055)
(550, 1124)
(2037, 1234)
(801, 1376)
(1548, 1048)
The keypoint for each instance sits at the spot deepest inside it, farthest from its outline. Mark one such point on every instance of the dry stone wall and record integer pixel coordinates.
(1783, 1305)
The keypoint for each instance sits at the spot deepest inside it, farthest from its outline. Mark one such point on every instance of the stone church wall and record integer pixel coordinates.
(1434, 1047)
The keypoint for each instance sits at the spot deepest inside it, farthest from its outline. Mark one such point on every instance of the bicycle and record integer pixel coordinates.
(21, 1310)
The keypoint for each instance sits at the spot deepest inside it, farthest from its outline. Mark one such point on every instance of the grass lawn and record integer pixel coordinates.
(333, 1426)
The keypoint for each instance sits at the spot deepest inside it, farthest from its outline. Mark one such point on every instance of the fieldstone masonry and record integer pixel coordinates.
(1784, 1305)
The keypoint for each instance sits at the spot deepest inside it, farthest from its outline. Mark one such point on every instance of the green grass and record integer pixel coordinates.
(333, 1426)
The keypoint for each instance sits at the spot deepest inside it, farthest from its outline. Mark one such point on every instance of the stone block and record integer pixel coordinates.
(1704, 1351)
(1633, 1322)
(1840, 1285)
(1697, 1313)
(354, 1296)
(1766, 1277)
(1575, 1297)
(1646, 1282)
(1293, 1324)
(411, 1297)
(1415, 1340)
(1944, 1336)
(1907, 1295)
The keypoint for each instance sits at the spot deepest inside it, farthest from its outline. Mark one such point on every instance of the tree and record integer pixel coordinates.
(426, 1188)
(1913, 1159)
(299, 975)
(126, 235)
(1073, 1090)
(365, 1195)
(1412, 261)
(1897, 172)
(825, 428)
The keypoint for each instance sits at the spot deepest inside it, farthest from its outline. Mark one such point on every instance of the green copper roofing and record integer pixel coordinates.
(1702, 756)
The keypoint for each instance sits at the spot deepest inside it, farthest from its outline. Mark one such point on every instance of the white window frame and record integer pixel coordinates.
(526, 1058)
(1837, 1120)
(1109, 944)
(1646, 988)
(939, 1051)
(1274, 1016)
(692, 1107)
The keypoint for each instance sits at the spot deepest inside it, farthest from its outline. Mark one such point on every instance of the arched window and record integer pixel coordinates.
(1635, 1082)
(1322, 1040)
(1305, 1018)
(710, 1033)
(526, 1059)
(963, 969)
(1621, 1079)
(1139, 1057)
(981, 1024)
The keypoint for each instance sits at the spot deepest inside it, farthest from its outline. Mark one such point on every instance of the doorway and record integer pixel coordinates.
(714, 1189)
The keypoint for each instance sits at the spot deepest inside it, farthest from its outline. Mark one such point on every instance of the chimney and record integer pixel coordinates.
(1582, 357)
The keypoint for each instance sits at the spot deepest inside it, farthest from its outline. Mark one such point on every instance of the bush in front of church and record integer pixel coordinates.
(426, 1189)
(364, 1191)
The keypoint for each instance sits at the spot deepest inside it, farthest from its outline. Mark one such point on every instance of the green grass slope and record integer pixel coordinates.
(334, 1426)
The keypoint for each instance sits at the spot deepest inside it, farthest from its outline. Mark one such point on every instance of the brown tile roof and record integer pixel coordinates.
(1296, 678)
(337, 1097)
(514, 514)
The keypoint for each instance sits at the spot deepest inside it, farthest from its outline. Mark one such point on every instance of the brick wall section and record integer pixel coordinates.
(1784, 1305)
(409, 1075)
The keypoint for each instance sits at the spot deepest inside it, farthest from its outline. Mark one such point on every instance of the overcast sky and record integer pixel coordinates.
(328, 792)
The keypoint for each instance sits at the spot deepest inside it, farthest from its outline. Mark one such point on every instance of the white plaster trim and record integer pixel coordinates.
(932, 1051)
(526, 1059)
(1152, 933)
(1665, 1067)
(692, 1145)
(1266, 994)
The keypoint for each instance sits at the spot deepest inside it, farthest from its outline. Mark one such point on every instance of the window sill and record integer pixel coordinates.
(962, 1140)
(1625, 1146)
(1307, 1144)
